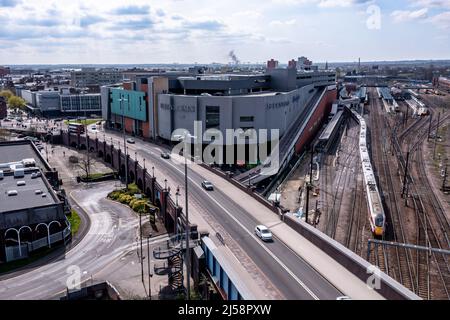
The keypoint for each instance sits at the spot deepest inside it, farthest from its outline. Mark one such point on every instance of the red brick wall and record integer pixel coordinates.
(317, 119)
(146, 129)
(128, 86)
(129, 125)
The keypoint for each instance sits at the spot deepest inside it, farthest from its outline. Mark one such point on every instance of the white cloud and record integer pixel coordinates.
(276, 23)
(441, 20)
(405, 15)
(431, 3)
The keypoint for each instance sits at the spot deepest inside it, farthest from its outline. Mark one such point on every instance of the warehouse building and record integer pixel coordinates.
(33, 208)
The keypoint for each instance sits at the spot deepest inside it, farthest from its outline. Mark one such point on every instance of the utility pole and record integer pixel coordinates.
(444, 181)
(309, 185)
(429, 127)
(188, 258)
(124, 140)
(149, 272)
(435, 136)
(142, 258)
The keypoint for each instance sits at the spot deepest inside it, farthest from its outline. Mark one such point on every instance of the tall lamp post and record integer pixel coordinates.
(188, 256)
(122, 100)
(149, 272)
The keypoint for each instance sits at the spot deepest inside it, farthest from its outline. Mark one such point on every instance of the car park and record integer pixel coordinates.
(263, 233)
(207, 185)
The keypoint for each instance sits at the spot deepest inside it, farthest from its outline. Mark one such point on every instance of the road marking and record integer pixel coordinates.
(302, 284)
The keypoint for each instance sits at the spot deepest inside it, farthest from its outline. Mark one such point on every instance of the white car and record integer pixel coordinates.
(263, 233)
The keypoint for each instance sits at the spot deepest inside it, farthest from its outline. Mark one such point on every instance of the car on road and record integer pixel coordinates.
(94, 128)
(7, 120)
(131, 141)
(165, 155)
(207, 185)
(263, 233)
(343, 298)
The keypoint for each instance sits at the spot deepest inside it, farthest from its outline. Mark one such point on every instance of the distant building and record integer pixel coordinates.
(292, 64)
(303, 63)
(89, 77)
(442, 83)
(3, 108)
(272, 64)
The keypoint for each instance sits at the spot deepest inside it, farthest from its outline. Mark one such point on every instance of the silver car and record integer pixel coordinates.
(263, 233)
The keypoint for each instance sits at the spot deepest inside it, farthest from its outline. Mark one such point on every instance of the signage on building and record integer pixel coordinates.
(277, 105)
(182, 108)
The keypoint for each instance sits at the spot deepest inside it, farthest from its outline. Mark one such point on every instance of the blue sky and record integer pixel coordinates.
(204, 31)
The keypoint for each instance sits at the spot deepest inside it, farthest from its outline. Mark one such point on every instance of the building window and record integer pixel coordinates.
(212, 117)
(247, 119)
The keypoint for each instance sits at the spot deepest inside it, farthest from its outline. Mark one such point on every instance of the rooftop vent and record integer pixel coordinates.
(19, 173)
(21, 183)
(12, 193)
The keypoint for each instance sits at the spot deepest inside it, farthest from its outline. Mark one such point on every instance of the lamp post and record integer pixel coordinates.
(177, 194)
(144, 163)
(165, 184)
(149, 272)
(135, 155)
(153, 171)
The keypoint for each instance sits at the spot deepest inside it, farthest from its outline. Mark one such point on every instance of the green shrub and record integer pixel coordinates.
(115, 195)
(125, 199)
(140, 206)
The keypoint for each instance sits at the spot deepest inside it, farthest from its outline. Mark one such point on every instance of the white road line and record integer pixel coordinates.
(302, 284)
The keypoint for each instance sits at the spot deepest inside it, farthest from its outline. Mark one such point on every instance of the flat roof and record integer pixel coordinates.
(26, 196)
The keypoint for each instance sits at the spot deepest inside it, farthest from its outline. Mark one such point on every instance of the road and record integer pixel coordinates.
(104, 243)
(290, 274)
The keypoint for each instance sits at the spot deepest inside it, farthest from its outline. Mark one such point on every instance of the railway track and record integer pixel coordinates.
(338, 194)
(432, 277)
(402, 270)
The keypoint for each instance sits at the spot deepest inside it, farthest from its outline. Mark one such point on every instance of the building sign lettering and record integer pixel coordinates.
(182, 108)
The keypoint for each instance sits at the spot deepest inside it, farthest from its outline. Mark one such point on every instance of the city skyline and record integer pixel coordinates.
(139, 31)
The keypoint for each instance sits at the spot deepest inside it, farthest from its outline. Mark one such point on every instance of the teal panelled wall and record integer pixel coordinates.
(135, 106)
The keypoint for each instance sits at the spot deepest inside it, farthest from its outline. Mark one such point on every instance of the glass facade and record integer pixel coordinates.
(76, 103)
(212, 117)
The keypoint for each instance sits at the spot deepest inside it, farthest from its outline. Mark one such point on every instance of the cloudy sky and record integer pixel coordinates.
(204, 31)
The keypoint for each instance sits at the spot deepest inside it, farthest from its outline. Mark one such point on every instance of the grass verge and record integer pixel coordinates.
(75, 221)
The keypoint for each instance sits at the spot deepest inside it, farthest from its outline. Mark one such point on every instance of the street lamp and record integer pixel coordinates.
(177, 194)
(165, 184)
(124, 139)
(144, 163)
(153, 172)
(135, 155)
(149, 272)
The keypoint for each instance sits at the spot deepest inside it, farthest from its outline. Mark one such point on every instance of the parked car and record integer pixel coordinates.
(131, 141)
(207, 185)
(263, 233)
(165, 155)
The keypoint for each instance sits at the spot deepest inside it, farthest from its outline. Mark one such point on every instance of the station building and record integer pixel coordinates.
(33, 207)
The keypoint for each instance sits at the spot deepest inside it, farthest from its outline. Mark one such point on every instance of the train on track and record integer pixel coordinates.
(377, 216)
